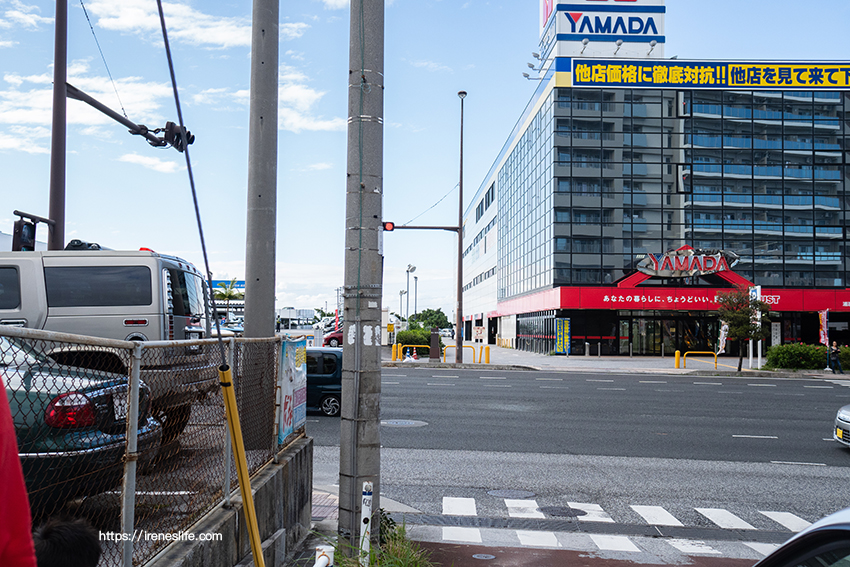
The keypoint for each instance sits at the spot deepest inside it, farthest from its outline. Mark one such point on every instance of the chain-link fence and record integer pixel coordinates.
(71, 401)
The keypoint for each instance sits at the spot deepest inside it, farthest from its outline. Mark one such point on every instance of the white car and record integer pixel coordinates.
(841, 431)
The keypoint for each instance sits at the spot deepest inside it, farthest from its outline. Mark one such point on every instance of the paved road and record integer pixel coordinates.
(657, 467)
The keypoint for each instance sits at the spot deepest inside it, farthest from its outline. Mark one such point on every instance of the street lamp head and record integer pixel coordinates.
(411, 268)
(461, 94)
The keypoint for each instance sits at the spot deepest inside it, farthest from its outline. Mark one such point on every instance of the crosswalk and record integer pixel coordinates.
(776, 521)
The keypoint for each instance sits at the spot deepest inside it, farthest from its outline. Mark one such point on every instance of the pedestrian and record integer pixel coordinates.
(16, 547)
(67, 542)
(277, 325)
(833, 358)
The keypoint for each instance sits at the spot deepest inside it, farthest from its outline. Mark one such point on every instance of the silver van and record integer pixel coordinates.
(126, 295)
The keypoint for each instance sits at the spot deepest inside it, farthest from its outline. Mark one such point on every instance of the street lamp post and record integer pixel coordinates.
(415, 294)
(459, 320)
(400, 298)
(410, 269)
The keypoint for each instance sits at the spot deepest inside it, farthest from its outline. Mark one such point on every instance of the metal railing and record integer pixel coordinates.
(92, 415)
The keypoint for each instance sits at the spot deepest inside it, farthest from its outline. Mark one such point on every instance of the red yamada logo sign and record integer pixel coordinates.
(687, 261)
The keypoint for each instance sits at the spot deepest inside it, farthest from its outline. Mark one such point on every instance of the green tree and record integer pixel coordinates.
(742, 314)
(227, 293)
(321, 314)
(431, 318)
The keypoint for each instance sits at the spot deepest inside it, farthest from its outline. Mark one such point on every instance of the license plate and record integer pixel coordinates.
(839, 433)
(119, 405)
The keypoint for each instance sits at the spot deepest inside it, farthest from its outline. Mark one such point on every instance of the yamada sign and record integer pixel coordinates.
(686, 262)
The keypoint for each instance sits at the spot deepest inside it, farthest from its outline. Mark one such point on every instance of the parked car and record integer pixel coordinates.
(71, 425)
(135, 295)
(333, 340)
(841, 431)
(826, 543)
(324, 380)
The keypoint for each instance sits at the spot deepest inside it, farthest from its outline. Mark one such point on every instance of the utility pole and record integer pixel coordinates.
(262, 172)
(360, 439)
(56, 206)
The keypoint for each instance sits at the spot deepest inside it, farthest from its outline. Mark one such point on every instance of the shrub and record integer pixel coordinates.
(417, 337)
(803, 357)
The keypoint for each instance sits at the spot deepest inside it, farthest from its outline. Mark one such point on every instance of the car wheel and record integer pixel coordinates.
(334, 342)
(330, 406)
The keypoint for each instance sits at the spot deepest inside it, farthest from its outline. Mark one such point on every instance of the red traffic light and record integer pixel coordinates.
(389, 226)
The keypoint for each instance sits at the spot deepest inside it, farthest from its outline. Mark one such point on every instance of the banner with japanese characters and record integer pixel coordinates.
(562, 336)
(291, 395)
(823, 317)
(680, 74)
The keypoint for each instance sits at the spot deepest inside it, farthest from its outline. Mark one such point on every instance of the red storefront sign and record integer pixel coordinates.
(649, 298)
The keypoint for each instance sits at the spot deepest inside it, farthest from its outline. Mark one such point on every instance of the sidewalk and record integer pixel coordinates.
(510, 359)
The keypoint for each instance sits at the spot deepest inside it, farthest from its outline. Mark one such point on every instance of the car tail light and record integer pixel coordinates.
(69, 411)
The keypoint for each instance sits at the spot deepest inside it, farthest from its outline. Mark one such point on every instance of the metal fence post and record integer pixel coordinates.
(227, 447)
(128, 506)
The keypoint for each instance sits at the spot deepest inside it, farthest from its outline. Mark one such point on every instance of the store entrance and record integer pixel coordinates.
(655, 335)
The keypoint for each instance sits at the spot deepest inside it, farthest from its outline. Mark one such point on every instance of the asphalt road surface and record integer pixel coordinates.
(492, 455)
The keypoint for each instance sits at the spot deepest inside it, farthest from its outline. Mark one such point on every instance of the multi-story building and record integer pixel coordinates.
(620, 164)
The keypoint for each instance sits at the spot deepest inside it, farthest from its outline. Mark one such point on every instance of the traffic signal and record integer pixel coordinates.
(389, 226)
(23, 236)
(174, 136)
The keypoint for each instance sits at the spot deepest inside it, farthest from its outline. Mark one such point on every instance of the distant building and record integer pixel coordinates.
(634, 188)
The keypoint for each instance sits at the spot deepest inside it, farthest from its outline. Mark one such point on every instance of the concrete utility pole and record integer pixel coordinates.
(360, 439)
(262, 172)
(56, 207)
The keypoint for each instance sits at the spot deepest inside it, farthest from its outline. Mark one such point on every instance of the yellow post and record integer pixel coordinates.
(232, 413)
(394, 352)
(678, 354)
(487, 355)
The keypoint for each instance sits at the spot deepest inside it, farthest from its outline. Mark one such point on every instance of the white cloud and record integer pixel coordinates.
(184, 23)
(29, 101)
(25, 141)
(431, 66)
(22, 15)
(156, 164)
(319, 167)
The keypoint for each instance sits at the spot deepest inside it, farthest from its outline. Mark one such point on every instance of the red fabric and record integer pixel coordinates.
(16, 547)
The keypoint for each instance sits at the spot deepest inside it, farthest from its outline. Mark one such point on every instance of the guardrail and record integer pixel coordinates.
(446, 350)
(685, 357)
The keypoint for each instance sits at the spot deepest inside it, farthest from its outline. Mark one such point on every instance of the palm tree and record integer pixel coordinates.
(227, 293)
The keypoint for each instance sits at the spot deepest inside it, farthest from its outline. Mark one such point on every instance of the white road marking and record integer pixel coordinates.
(438, 384)
(459, 506)
(614, 543)
(594, 380)
(755, 436)
(652, 382)
(385, 382)
(821, 387)
(789, 520)
(613, 389)
(795, 463)
(725, 519)
(593, 512)
(692, 547)
(537, 539)
(762, 385)
(549, 379)
(444, 376)
(395, 375)
(497, 386)
(492, 378)
(763, 548)
(708, 383)
(523, 508)
(466, 535)
(657, 516)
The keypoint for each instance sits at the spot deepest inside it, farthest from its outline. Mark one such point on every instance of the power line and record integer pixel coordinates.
(434, 205)
(103, 57)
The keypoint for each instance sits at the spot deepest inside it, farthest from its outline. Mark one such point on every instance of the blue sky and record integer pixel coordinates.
(125, 194)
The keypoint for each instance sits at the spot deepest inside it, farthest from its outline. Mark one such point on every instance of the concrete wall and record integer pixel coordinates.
(283, 501)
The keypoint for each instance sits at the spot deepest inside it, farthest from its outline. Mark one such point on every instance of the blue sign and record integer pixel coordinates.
(240, 284)
(562, 336)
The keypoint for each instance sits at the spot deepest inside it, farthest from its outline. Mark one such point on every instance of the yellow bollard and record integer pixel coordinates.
(678, 354)
(487, 355)
(394, 352)
(231, 412)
